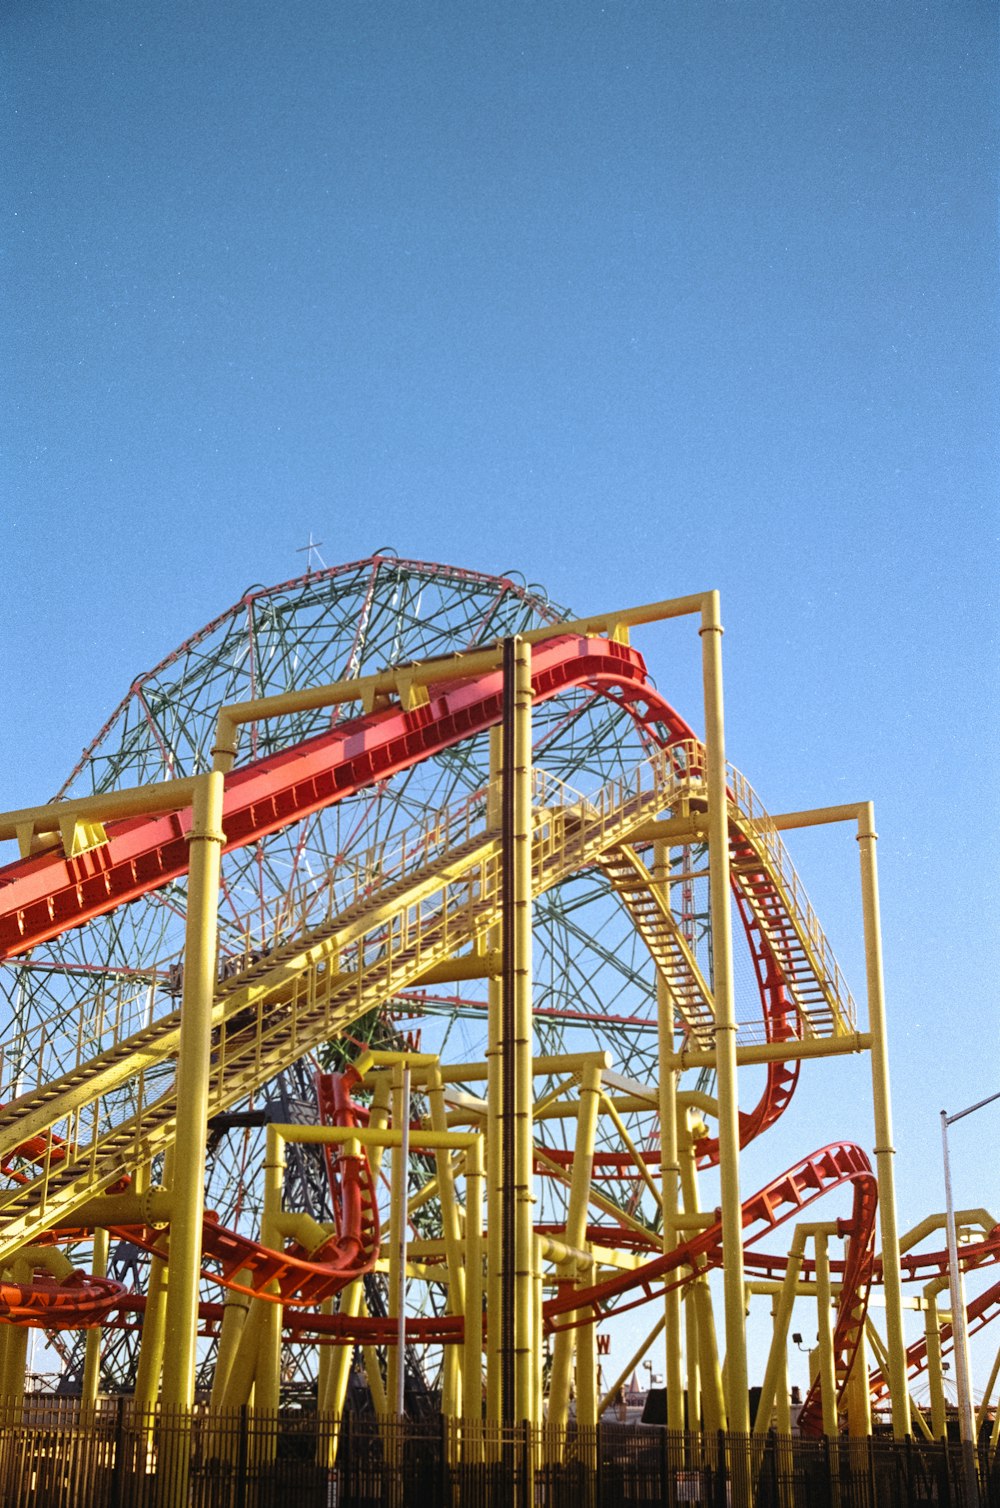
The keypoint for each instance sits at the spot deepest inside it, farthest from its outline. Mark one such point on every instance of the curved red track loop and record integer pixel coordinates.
(305, 1282)
(76, 1301)
(979, 1312)
(856, 1280)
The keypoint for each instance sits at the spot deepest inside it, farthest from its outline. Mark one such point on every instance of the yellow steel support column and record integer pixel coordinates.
(338, 1367)
(395, 1359)
(336, 1375)
(776, 1370)
(241, 1384)
(827, 1363)
(451, 1382)
(235, 1309)
(782, 1392)
(859, 1402)
(452, 1233)
(712, 1400)
(525, 1359)
(538, 1339)
(494, 1126)
(737, 1397)
(935, 1372)
(92, 1355)
(692, 1373)
(884, 1150)
(154, 1330)
(576, 1236)
(193, 1070)
(472, 1367)
(267, 1376)
(15, 1366)
(586, 1370)
(670, 1170)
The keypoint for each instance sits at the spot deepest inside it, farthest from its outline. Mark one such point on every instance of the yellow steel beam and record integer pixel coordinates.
(778, 1052)
(737, 1396)
(407, 681)
(193, 1070)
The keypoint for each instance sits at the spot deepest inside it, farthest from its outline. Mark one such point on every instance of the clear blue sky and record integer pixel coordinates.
(637, 298)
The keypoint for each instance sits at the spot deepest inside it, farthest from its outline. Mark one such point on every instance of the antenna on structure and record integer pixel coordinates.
(313, 549)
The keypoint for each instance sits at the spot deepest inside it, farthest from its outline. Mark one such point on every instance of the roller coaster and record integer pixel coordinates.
(472, 1219)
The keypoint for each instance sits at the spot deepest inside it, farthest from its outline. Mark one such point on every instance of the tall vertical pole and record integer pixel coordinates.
(395, 1355)
(520, 1359)
(92, 1355)
(827, 1360)
(404, 1229)
(472, 1365)
(193, 1073)
(670, 1168)
(737, 1395)
(495, 1328)
(884, 1151)
(935, 1371)
(508, 1091)
(267, 1376)
(960, 1334)
(567, 1339)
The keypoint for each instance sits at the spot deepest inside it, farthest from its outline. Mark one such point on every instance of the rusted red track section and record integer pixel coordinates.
(45, 895)
(306, 1280)
(978, 1313)
(771, 1206)
(69, 1304)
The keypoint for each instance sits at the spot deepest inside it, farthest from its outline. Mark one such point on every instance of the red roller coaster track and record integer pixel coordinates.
(45, 895)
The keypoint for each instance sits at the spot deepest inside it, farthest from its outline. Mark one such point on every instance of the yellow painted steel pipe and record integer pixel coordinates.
(92, 1355)
(859, 1401)
(776, 1370)
(670, 1168)
(450, 1223)
(267, 1376)
(710, 1384)
(108, 806)
(777, 1052)
(395, 1359)
(691, 1368)
(472, 1369)
(982, 1413)
(935, 1372)
(575, 1235)
(737, 1397)
(827, 1364)
(495, 1129)
(409, 682)
(525, 1359)
(236, 1307)
(154, 1330)
(884, 1150)
(193, 1073)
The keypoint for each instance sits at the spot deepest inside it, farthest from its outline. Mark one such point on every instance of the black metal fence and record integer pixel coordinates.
(56, 1453)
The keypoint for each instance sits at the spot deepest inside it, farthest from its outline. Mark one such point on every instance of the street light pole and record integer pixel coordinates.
(959, 1328)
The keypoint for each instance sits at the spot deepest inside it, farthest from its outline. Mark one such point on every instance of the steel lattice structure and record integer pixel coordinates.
(592, 969)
